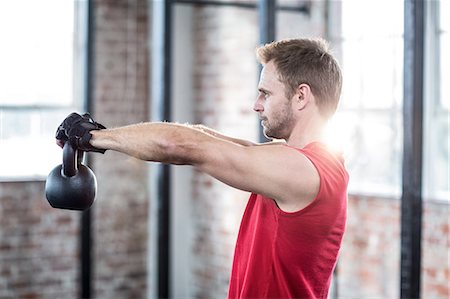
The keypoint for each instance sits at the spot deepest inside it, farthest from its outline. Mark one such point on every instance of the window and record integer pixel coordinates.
(437, 101)
(41, 81)
(368, 125)
(369, 122)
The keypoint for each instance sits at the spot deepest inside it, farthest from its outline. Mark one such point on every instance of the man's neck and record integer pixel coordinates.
(306, 132)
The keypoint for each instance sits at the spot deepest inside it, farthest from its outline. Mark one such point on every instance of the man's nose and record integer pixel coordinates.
(258, 107)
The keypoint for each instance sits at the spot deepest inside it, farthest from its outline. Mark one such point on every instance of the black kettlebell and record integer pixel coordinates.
(71, 185)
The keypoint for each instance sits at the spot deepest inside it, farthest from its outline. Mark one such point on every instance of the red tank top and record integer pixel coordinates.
(292, 255)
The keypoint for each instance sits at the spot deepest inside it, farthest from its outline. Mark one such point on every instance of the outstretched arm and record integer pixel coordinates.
(160, 142)
(156, 147)
(275, 171)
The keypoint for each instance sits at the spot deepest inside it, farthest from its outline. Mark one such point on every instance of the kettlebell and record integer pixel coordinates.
(71, 185)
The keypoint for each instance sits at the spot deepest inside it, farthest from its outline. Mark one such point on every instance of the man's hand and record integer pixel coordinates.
(75, 129)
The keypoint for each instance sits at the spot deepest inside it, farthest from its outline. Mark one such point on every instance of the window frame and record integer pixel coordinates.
(394, 111)
(79, 93)
(434, 112)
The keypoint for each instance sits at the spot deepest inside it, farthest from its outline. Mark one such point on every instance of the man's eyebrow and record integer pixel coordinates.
(263, 90)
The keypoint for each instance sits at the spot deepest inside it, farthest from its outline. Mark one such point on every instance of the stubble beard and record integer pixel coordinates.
(280, 124)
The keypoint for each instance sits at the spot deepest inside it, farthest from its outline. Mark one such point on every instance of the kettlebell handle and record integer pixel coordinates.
(71, 159)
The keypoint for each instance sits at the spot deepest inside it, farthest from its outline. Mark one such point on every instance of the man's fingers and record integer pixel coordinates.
(60, 143)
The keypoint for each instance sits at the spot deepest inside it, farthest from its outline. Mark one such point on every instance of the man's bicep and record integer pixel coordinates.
(226, 161)
(277, 172)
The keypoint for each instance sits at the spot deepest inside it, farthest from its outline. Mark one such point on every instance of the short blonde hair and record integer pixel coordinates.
(306, 61)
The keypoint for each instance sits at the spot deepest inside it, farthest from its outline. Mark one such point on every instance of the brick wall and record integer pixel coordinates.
(436, 250)
(369, 264)
(370, 256)
(38, 245)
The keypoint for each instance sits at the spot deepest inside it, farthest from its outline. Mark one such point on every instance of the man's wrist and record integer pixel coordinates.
(97, 139)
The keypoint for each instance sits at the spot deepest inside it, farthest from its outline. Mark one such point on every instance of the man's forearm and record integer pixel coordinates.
(160, 142)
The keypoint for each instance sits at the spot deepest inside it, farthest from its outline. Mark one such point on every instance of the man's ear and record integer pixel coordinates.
(302, 96)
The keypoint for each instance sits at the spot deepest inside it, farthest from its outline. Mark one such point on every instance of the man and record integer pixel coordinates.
(293, 225)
